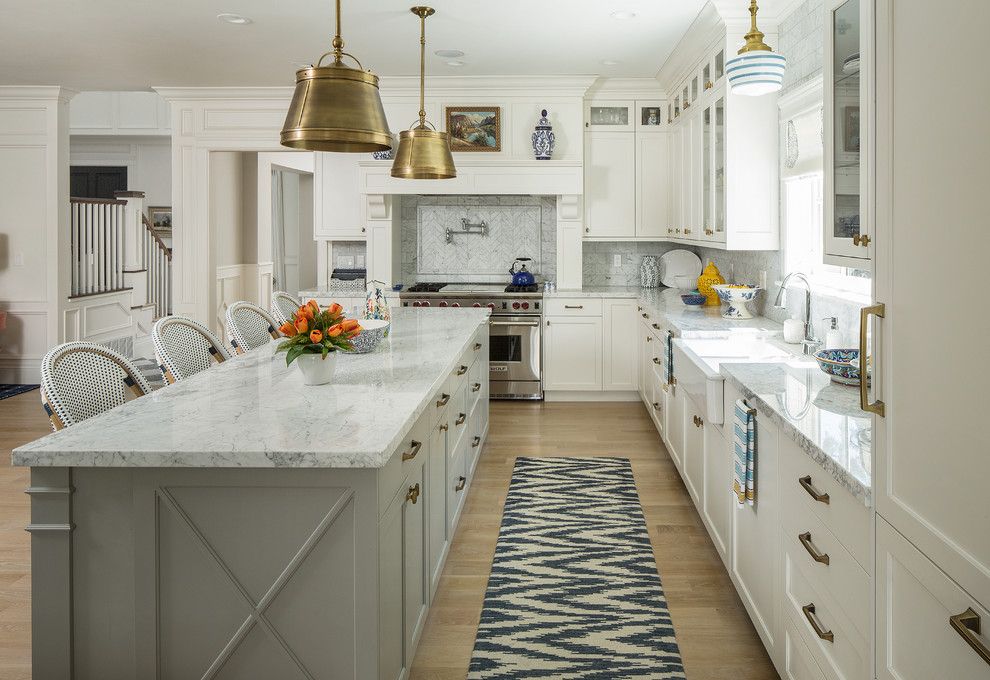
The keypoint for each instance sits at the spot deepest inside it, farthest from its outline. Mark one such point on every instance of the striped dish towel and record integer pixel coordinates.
(668, 358)
(744, 445)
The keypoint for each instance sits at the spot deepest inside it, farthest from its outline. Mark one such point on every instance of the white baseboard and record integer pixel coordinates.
(20, 371)
(587, 395)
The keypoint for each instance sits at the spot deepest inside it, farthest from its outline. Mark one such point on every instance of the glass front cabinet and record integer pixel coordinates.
(848, 132)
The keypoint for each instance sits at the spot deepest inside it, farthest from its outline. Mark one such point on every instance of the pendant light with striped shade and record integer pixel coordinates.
(757, 70)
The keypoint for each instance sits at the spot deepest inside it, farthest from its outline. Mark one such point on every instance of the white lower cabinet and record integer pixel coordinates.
(437, 501)
(717, 504)
(621, 320)
(572, 349)
(926, 624)
(675, 425)
(694, 451)
(797, 661)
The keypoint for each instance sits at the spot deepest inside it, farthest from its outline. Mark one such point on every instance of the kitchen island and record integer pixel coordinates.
(239, 524)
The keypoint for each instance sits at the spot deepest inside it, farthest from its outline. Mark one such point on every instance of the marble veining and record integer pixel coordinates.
(824, 418)
(254, 412)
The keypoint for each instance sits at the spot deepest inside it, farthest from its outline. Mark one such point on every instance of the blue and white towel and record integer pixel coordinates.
(668, 358)
(744, 445)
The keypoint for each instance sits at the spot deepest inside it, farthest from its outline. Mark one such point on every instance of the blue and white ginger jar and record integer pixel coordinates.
(543, 138)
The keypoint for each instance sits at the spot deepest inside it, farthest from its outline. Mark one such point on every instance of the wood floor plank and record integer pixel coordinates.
(713, 630)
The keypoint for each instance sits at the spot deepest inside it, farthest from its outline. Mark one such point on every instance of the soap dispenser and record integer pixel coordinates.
(832, 336)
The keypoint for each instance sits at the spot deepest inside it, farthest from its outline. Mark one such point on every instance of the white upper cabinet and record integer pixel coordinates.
(340, 206)
(118, 113)
(652, 184)
(612, 116)
(610, 184)
(848, 125)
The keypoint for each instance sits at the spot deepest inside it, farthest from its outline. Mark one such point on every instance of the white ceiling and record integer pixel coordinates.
(135, 44)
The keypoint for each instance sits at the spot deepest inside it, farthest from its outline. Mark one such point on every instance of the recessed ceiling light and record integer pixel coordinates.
(622, 14)
(456, 62)
(236, 19)
(610, 62)
(449, 54)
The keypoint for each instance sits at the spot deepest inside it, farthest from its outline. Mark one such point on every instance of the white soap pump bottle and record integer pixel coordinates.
(833, 337)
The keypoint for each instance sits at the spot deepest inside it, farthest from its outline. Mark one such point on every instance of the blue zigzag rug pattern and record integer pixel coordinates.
(574, 590)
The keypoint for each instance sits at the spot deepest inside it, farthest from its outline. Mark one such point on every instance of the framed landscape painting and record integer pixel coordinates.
(474, 128)
(160, 216)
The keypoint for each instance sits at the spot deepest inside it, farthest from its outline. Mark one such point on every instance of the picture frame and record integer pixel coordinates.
(160, 217)
(474, 128)
(651, 116)
(850, 129)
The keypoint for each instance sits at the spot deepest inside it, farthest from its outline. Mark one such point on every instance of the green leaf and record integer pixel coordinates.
(294, 353)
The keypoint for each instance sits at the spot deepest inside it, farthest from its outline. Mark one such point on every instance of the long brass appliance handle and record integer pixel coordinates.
(968, 626)
(409, 455)
(817, 556)
(877, 310)
(809, 613)
(805, 483)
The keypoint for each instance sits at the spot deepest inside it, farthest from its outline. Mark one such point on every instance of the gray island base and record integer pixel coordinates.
(238, 524)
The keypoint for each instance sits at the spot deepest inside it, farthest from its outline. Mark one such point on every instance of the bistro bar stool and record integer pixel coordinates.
(184, 347)
(284, 306)
(250, 327)
(80, 380)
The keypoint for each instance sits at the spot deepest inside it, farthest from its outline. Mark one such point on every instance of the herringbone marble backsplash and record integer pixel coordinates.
(519, 226)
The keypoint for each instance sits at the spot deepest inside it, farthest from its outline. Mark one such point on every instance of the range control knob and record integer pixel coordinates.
(426, 303)
(443, 303)
(515, 305)
(416, 303)
(456, 304)
(476, 304)
(491, 305)
(525, 305)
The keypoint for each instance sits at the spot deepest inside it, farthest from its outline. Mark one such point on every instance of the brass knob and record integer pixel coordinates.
(863, 240)
(413, 494)
(698, 422)
(709, 85)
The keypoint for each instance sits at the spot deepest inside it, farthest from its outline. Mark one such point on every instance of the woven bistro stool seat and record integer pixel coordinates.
(250, 327)
(184, 347)
(284, 306)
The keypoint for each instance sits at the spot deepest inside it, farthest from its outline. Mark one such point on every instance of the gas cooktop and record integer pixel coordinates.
(501, 299)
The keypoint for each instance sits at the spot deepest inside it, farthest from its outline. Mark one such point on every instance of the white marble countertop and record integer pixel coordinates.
(823, 417)
(253, 411)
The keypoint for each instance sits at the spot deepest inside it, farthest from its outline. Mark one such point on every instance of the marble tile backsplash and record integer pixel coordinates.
(519, 226)
(599, 268)
(801, 39)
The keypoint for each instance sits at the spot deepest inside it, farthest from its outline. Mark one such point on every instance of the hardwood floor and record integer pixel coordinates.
(715, 635)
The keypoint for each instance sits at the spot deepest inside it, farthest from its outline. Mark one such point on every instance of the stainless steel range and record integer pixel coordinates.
(515, 348)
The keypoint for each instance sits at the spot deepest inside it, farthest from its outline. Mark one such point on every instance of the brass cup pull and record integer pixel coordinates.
(805, 539)
(442, 401)
(698, 422)
(461, 417)
(475, 387)
(413, 494)
(968, 626)
(476, 442)
(805, 483)
(462, 370)
(411, 453)
(477, 346)
(809, 613)
(444, 427)
(877, 406)
(461, 481)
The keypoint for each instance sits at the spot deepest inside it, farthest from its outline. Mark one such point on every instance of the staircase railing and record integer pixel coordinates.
(158, 263)
(97, 245)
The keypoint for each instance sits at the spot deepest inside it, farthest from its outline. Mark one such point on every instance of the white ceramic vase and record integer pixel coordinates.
(315, 368)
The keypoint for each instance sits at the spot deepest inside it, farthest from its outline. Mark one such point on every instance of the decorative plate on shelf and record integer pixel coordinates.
(676, 263)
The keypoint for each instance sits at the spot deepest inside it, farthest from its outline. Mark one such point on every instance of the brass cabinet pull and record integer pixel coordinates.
(413, 494)
(475, 387)
(461, 481)
(461, 370)
(656, 406)
(409, 455)
(805, 482)
(877, 406)
(863, 240)
(649, 338)
(670, 230)
(645, 315)
(573, 306)
(698, 422)
(968, 626)
(656, 361)
(476, 442)
(444, 427)
(461, 417)
(477, 346)
(709, 232)
(809, 613)
(687, 230)
(805, 539)
(656, 327)
(444, 398)
(709, 84)
(639, 309)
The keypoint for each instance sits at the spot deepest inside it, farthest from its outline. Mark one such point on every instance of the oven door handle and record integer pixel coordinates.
(534, 324)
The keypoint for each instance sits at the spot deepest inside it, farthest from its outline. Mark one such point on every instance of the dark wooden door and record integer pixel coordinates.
(96, 181)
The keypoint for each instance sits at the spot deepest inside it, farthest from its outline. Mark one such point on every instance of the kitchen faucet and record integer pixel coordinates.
(811, 343)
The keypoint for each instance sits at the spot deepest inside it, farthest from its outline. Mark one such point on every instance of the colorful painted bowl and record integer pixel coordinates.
(838, 365)
(693, 299)
(736, 296)
(372, 332)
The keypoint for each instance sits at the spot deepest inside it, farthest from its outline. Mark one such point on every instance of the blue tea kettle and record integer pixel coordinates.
(521, 277)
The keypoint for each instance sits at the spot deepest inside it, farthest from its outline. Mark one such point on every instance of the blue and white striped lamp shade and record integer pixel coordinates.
(756, 73)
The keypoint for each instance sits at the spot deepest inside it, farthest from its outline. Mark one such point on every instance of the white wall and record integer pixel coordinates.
(34, 225)
(148, 161)
(226, 205)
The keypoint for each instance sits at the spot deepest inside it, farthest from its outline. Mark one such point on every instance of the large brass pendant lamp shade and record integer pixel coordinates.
(336, 107)
(424, 153)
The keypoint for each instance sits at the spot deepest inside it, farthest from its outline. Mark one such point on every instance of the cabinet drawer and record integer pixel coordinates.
(915, 600)
(411, 452)
(573, 306)
(799, 664)
(844, 515)
(842, 578)
(841, 651)
(458, 414)
(456, 485)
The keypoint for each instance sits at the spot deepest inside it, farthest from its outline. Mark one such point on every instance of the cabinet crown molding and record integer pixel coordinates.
(36, 93)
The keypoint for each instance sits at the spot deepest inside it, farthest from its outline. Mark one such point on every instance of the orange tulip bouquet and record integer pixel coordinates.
(316, 331)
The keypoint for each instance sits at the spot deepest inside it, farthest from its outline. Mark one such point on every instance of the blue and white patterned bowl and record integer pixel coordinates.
(838, 365)
(693, 299)
(372, 332)
(736, 299)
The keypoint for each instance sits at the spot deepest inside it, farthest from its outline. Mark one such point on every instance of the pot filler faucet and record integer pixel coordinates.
(811, 343)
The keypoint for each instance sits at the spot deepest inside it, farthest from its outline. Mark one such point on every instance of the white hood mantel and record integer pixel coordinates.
(480, 177)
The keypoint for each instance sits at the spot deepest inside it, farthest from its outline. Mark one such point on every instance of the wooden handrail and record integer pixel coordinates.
(98, 201)
(158, 240)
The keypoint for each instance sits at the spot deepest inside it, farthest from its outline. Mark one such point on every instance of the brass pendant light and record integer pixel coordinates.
(424, 152)
(336, 107)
